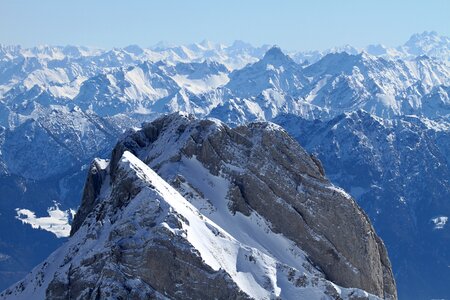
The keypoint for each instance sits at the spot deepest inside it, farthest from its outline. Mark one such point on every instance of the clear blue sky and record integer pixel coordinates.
(293, 24)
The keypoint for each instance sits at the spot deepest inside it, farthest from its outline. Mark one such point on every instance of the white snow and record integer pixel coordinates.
(199, 86)
(57, 221)
(46, 77)
(140, 86)
(102, 163)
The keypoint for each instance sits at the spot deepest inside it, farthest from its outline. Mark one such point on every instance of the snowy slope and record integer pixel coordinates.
(343, 82)
(152, 88)
(51, 141)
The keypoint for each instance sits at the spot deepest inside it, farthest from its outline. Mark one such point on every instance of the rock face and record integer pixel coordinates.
(264, 165)
(253, 217)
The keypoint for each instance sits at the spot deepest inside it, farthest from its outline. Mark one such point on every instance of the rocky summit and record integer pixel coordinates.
(189, 208)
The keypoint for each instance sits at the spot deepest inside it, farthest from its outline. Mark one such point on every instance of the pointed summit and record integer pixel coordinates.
(275, 54)
(275, 71)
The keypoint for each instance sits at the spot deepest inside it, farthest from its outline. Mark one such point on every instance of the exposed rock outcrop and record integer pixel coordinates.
(272, 175)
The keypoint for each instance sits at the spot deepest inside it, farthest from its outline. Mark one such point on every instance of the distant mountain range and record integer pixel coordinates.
(376, 117)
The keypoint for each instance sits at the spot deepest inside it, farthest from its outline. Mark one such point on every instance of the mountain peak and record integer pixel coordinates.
(424, 37)
(274, 54)
(427, 42)
(134, 220)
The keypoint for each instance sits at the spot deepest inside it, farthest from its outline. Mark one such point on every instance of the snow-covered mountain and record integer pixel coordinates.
(246, 221)
(343, 82)
(262, 90)
(69, 136)
(71, 65)
(234, 56)
(337, 83)
(145, 81)
(428, 43)
(149, 88)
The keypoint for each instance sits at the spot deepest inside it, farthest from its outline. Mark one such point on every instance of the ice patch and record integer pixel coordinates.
(57, 222)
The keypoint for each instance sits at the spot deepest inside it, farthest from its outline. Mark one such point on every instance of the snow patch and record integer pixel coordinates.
(57, 222)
